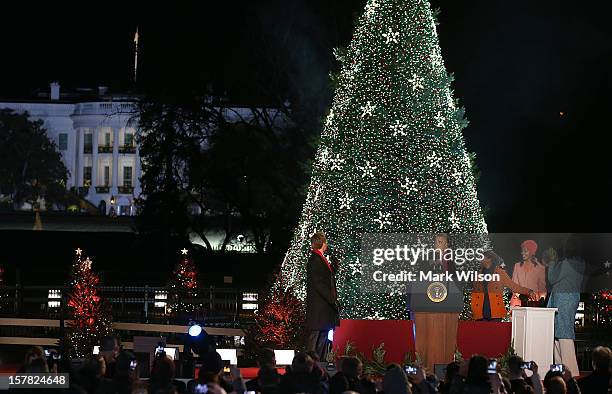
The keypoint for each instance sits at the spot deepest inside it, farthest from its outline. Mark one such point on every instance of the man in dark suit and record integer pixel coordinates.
(321, 299)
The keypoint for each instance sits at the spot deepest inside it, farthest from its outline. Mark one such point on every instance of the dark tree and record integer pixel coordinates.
(168, 135)
(255, 165)
(30, 165)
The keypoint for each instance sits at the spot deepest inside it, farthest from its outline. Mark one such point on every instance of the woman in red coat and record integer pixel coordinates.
(488, 296)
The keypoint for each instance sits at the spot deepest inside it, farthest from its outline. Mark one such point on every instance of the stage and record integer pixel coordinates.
(491, 339)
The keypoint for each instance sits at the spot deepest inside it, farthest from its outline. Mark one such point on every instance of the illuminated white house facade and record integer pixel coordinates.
(95, 134)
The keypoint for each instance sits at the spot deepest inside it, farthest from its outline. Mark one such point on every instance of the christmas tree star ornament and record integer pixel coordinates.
(439, 119)
(417, 82)
(346, 201)
(368, 109)
(434, 160)
(391, 36)
(409, 185)
(384, 219)
(336, 163)
(398, 128)
(367, 169)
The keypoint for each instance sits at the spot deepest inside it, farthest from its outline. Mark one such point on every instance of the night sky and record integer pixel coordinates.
(518, 65)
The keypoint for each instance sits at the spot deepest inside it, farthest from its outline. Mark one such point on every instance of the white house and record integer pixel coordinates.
(94, 132)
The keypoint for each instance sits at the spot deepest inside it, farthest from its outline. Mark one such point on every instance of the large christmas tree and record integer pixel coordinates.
(392, 157)
(91, 317)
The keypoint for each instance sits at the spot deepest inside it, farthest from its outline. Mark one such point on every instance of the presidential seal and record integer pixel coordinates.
(437, 291)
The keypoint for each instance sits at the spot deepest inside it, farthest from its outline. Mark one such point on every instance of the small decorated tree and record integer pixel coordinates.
(91, 318)
(279, 322)
(183, 286)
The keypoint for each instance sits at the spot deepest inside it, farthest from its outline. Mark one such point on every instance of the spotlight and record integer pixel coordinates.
(195, 330)
(330, 335)
(198, 340)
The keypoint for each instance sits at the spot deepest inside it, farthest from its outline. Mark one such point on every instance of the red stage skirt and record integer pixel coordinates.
(491, 339)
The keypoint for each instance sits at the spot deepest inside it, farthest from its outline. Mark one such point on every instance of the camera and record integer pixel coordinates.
(527, 365)
(492, 368)
(556, 367)
(410, 369)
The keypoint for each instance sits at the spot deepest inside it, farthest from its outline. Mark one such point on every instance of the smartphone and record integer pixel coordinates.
(201, 389)
(410, 369)
(133, 364)
(57, 356)
(527, 365)
(159, 350)
(47, 353)
(492, 368)
(556, 367)
(226, 367)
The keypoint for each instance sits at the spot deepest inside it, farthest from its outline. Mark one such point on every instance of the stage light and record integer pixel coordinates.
(195, 330)
(330, 335)
(197, 340)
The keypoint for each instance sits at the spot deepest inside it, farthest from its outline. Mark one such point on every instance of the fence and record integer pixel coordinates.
(216, 306)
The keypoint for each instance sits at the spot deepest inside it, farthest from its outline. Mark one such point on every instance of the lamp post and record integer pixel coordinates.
(112, 212)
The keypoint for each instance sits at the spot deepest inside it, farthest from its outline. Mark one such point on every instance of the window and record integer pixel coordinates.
(88, 142)
(63, 141)
(87, 176)
(106, 176)
(127, 176)
(129, 139)
(107, 139)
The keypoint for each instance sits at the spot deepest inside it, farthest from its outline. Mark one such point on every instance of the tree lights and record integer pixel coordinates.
(392, 157)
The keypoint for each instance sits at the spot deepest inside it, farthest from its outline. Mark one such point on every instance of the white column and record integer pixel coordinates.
(80, 161)
(115, 165)
(94, 163)
(137, 189)
(74, 147)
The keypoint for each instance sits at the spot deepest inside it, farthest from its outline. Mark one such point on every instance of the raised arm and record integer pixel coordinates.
(509, 283)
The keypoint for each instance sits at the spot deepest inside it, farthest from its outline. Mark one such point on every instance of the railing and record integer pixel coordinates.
(82, 191)
(102, 189)
(127, 149)
(125, 189)
(105, 149)
(105, 108)
(215, 306)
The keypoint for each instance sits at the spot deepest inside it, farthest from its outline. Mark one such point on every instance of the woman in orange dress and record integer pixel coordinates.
(529, 272)
(488, 296)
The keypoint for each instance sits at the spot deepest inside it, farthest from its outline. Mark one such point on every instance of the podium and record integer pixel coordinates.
(533, 331)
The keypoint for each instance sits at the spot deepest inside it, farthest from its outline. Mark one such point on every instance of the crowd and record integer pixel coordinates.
(116, 371)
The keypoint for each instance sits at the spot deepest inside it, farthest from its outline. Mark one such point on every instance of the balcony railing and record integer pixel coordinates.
(102, 189)
(82, 191)
(126, 189)
(127, 149)
(105, 149)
